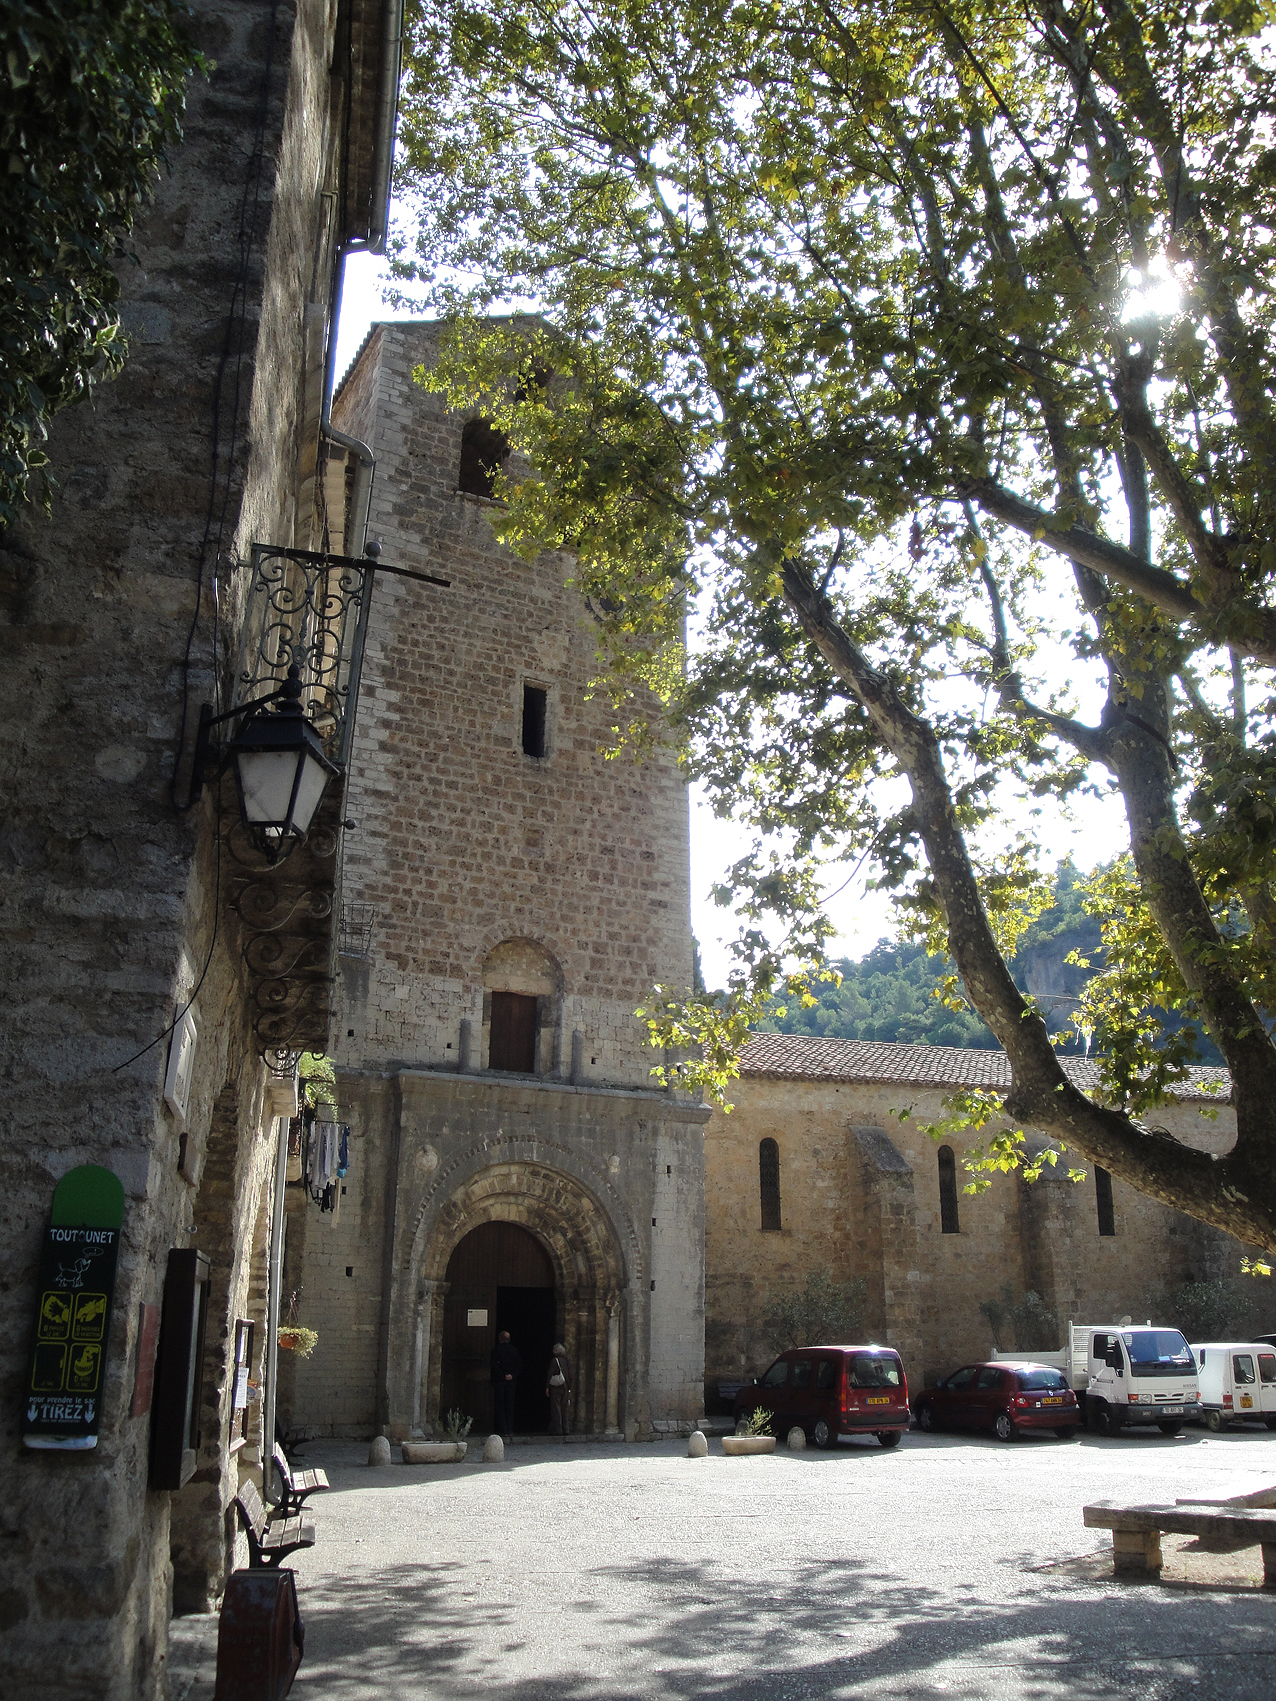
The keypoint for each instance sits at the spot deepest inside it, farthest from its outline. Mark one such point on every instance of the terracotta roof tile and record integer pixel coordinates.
(801, 1057)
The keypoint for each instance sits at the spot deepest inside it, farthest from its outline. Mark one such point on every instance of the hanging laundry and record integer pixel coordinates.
(343, 1156)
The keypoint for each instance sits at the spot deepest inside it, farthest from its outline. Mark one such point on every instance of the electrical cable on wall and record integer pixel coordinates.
(222, 482)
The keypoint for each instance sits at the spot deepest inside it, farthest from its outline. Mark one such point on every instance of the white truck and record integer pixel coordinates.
(1125, 1373)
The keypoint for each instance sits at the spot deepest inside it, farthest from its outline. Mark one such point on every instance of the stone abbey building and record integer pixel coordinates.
(510, 897)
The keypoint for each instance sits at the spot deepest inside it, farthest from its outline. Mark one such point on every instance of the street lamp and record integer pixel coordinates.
(281, 771)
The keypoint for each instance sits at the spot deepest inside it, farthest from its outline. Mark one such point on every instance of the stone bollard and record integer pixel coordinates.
(697, 1446)
(797, 1440)
(379, 1452)
(493, 1450)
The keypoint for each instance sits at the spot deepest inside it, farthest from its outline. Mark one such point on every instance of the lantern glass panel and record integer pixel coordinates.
(314, 779)
(266, 779)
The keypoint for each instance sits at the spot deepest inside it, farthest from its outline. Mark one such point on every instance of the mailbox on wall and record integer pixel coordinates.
(179, 1371)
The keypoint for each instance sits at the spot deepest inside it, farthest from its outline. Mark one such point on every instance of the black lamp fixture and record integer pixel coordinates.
(281, 771)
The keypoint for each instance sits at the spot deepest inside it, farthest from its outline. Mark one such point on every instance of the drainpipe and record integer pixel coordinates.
(378, 232)
(272, 1305)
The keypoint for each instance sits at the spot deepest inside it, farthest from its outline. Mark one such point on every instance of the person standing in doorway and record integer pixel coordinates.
(558, 1385)
(507, 1361)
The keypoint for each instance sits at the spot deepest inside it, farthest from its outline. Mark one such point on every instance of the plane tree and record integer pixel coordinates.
(928, 343)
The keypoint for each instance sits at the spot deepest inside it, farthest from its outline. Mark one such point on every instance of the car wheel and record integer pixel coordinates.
(1067, 1433)
(925, 1420)
(889, 1437)
(822, 1435)
(1169, 1428)
(1270, 1422)
(1213, 1420)
(1004, 1427)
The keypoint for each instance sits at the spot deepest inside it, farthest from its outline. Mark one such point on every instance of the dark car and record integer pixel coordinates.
(831, 1391)
(1006, 1398)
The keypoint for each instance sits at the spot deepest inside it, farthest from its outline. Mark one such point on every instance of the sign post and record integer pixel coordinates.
(62, 1404)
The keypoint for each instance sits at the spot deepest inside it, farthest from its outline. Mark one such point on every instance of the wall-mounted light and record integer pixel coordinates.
(281, 771)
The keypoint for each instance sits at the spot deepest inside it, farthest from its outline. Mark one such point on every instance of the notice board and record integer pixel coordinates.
(62, 1404)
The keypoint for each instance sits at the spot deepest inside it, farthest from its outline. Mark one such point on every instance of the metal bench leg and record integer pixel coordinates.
(1136, 1553)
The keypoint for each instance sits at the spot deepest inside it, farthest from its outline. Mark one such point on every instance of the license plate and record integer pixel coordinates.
(1174, 1411)
(878, 1400)
(1246, 1401)
(1053, 1400)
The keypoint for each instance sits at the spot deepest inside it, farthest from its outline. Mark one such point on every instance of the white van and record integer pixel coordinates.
(1237, 1381)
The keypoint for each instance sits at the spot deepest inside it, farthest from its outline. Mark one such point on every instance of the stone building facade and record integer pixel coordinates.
(511, 896)
(861, 1196)
(120, 906)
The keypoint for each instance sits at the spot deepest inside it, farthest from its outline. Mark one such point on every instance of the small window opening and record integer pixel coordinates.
(534, 701)
(948, 1191)
(484, 452)
(769, 1180)
(512, 1040)
(1103, 1199)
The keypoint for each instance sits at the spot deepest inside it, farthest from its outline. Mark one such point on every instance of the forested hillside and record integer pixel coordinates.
(890, 993)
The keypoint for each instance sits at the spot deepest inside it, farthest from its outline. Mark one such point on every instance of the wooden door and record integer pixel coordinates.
(512, 1038)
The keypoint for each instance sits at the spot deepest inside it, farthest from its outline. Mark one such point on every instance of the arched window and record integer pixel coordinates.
(484, 451)
(1103, 1199)
(769, 1180)
(948, 1191)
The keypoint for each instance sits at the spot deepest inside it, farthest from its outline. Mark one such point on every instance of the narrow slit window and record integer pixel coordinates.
(948, 1221)
(484, 452)
(769, 1180)
(1103, 1199)
(535, 698)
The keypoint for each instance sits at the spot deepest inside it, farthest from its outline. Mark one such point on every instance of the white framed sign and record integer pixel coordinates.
(476, 1319)
(181, 1065)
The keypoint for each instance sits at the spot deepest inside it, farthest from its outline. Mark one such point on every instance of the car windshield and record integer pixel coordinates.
(1042, 1379)
(873, 1370)
(1158, 1350)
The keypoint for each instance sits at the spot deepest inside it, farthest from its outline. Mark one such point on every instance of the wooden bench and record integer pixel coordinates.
(270, 1541)
(296, 1485)
(1137, 1532)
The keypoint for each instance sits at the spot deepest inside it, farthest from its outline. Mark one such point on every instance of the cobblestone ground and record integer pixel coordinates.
(955, 1567)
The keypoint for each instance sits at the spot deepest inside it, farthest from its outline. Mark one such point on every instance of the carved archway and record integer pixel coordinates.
(590, 1276)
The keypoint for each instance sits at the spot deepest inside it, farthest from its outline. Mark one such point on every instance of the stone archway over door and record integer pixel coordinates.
(589, 1269)
(498, 1277)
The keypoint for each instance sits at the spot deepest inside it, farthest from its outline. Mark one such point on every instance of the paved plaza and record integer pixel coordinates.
(955, 1567)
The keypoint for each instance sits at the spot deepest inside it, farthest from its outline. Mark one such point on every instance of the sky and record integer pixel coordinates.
(861, 917)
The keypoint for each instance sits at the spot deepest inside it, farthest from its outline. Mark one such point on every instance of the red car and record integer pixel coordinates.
(832, 1391)
(1009, 1399)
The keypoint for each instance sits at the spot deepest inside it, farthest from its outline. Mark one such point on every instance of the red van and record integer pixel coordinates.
(832, 1391)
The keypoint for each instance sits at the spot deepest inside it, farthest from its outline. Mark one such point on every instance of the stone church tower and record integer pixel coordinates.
(510, 898)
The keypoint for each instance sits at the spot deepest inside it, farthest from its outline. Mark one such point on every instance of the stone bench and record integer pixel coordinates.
(1137, 1532)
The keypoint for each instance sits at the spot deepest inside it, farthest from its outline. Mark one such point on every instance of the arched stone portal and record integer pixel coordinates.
(584, 1251)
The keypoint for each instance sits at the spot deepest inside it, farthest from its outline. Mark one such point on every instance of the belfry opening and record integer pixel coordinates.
(499, 1277)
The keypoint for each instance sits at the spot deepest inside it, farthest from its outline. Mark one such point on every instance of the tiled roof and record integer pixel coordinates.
(800, 1057)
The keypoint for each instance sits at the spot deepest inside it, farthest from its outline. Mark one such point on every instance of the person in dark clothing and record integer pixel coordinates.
(558, 1386)
(507, 1361)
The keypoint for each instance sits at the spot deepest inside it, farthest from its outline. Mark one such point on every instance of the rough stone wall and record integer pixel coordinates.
(107, 905)
(860, 1197)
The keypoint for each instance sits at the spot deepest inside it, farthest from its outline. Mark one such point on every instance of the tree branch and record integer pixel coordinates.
(1248, 628)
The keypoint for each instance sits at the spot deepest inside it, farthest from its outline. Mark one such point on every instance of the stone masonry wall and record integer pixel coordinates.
(849, 1209)
(464, 841)
(109, 895)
